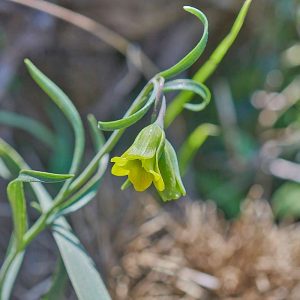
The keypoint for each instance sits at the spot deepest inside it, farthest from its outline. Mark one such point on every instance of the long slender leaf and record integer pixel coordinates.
(66, 106)
(81, 269)
(96, 134)
(90, 287)
(4, 171)
(11, 270)
(11, 276)
(38, 176)
(33, 127)
(17, 202)
(89, 190)
(210, 66)
(192, 144)
(193, 55)
(130, 120)
(61, 157)
(190, 85)
(16, 196)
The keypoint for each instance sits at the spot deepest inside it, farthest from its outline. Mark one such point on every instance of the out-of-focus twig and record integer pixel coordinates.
(118, 42)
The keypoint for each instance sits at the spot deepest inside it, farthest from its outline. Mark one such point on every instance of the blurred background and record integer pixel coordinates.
(221, 240)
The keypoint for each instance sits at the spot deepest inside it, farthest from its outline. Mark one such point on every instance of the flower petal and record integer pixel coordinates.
(121, 161)
(159, 183)
(138, 176)
(149, 166)
(119, 170)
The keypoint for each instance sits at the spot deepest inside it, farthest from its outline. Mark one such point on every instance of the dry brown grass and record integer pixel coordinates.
(202, 256)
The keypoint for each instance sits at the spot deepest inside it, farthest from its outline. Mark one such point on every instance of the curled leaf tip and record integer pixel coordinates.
(28, 63)
(189, 8)
(195, 53)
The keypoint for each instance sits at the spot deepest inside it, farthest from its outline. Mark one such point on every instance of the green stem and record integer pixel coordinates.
(37, 228)
(161, 114)
(42, 222)
(6, 266)
(107, 147)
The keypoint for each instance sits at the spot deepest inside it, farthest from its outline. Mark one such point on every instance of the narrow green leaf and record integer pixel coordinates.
(4, 171)
(11, 272)
(61, 157)
(89, 190)
(81, 269)
(66, 106)
(212, 63)
(17, 202)
(33, 127)
(192, 144)
(82, 272)
(76, 203)
(193, 55)
(16, 196)
(193, 86)
(210, 66)
(38, 176)
(10, 158)
(11, 276)
(96, 134)
(133, 118)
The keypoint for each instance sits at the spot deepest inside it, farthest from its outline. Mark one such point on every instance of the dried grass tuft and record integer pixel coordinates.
(202, 256)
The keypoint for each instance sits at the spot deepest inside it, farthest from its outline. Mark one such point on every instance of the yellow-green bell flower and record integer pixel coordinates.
(140, 161)
(169, 168)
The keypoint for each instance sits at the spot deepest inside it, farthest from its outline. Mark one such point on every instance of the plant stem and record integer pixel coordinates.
(82, 179)
(37, 228)
(5, 267)
(108, 146)
(41, 223)
(161, 115)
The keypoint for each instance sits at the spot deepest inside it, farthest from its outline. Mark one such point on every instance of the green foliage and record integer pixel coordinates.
(80, 188)
(70, 248)
(38, 176)
(193, 55)
(35, 128)
(286, 201)
(66, 106)
(210, 66)
(193, 86)
(136, 116)
(192, 144)
(10, 270)
(17, 201)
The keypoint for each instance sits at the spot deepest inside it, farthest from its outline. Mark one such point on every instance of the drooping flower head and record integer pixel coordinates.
(140, 161)
(151, 159)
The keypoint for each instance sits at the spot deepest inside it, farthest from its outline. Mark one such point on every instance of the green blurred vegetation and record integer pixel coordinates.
(227, 166)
